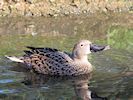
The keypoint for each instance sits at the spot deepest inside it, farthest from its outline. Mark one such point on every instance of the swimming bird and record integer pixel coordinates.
(51, 61)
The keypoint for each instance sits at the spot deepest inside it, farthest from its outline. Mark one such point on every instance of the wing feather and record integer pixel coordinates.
(44, 50)
(47, 65)
(47, 60)
(54, 54)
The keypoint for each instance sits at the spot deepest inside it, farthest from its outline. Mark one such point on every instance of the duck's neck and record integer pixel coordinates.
(83, 58)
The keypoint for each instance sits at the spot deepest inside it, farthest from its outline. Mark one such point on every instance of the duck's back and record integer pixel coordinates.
(49, 61)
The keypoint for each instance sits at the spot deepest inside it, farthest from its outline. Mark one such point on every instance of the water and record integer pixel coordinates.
(112, 77)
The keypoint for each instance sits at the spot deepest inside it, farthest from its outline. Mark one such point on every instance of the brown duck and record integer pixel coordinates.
(55, 62)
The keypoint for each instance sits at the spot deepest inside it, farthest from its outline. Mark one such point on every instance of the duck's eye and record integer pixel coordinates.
(81, 45)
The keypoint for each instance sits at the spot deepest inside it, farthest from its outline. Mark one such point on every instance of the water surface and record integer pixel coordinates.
(112, 77)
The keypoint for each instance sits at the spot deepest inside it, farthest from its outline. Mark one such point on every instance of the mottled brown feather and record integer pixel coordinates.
(48, 61)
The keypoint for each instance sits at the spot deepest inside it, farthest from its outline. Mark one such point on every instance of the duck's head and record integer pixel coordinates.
(85, 47)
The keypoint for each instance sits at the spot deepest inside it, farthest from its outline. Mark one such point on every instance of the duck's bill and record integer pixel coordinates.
(96, 48)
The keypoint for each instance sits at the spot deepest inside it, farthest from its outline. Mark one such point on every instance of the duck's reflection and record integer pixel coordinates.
(81, 87)
(79, 83)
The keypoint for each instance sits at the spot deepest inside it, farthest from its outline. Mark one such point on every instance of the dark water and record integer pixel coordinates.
(112, 78)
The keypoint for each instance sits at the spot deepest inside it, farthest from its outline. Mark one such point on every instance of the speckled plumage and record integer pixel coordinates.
(55, 62)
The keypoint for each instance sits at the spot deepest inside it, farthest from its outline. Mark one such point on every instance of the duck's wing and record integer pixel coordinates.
(46, 60)
(34, 50)
(50, 53)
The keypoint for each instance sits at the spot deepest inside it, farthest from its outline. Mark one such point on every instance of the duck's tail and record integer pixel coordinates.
(15, 59)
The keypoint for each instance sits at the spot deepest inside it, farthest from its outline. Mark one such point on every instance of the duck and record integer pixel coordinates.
(51, 61)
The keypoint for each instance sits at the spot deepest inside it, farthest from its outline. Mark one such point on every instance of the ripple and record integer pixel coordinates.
(5, 91)
(6, 81)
